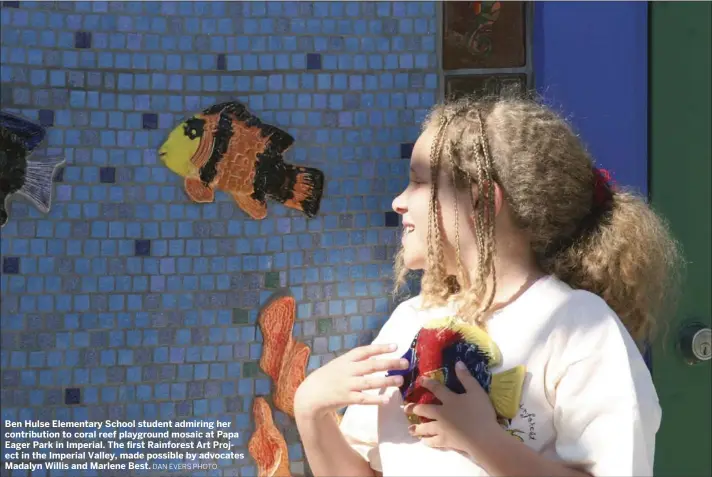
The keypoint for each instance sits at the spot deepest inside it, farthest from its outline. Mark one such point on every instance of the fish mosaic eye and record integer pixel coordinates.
(194, 128)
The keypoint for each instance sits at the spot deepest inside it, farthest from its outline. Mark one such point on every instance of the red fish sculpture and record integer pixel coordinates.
(434, 352)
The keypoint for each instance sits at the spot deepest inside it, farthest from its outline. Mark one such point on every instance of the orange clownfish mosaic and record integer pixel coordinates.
(228, 148)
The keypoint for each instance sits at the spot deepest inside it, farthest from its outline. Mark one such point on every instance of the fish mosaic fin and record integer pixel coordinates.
(197, 191)
(38, 182)
(238, 110)
(303, 189)
(436, 375)
(279, 140)
(506, 391)
(256, 209)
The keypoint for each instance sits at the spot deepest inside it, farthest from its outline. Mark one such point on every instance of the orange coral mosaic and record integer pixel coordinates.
(283, 359)
(267, 445)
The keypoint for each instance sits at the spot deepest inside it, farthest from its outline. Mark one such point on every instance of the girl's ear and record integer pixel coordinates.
(498, 198)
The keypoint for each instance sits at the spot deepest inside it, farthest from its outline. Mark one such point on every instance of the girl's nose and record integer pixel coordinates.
(399, 204)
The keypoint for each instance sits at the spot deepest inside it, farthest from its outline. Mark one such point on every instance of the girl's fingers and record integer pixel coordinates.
(365, 399)
(363, 383)
(427, 429)
(365, 352)
(438, 389)
(379, 365)
(430, 411)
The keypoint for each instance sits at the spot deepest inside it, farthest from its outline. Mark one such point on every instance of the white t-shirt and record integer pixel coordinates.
(588, 396)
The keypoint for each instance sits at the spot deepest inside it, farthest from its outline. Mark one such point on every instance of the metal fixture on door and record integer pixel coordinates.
(695, 342)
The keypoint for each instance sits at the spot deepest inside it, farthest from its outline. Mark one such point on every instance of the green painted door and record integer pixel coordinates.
(680, 183)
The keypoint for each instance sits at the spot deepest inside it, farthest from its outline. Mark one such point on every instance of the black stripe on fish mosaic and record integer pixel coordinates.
(221, 142)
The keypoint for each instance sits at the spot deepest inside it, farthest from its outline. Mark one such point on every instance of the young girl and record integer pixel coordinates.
(518, 232)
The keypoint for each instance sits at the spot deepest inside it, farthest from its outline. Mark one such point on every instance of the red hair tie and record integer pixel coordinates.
(603, 190)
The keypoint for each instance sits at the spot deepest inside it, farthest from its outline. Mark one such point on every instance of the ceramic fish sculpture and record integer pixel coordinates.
(18, 175)
(433, 354)
(228, 148)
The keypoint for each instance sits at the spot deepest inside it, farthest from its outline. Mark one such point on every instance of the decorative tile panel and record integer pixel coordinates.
(483, 35)
(485, 85)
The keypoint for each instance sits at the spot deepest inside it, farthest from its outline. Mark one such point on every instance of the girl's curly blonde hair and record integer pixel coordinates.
(618, 248)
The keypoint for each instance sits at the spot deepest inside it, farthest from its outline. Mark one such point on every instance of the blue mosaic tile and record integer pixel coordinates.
(11, 265)
(221, 62)
(313, 61)
(406, 150)
(82, 39)
(107, 175)
(142, 248)
(72, 396)
(391, 219)
(150, 121)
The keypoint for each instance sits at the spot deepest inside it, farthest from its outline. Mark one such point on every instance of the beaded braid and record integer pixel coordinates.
(436, 276)
(462, 275)
(436, 255)
(487, 251)
(476, 304)
(483, 207)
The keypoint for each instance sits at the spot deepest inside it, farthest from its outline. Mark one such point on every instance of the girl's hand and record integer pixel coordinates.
(461, 421)
(341, 382)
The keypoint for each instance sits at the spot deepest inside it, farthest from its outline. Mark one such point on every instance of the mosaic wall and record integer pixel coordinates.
(128, 300)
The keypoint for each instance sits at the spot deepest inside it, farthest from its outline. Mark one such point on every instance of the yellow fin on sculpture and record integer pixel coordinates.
(436, 375)
(472, 334)
(506, 391)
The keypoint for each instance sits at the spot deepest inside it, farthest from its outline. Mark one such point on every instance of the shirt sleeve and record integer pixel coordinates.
(606, 410)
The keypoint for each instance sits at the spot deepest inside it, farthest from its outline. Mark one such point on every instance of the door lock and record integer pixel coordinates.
(695, 343)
